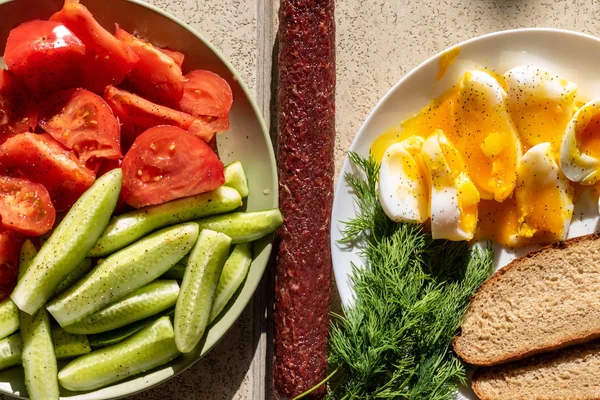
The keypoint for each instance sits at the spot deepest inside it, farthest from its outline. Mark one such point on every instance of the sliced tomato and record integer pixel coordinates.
(107, 166)
(85, 124)
(175, 55)
(45, 54)
(166, 163)
(25, 206)
(18, 111)
(156, 76)
(137, 114)
(208, 97)
(108, 60)
(42, 159)
(10, 247)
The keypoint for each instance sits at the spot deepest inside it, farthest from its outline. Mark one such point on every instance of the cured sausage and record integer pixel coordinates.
(306, 124)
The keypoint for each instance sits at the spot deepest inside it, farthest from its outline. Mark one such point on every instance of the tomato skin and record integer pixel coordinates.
(25, 206)
(137, 114)
(156, 76)
(177, 56)
(82, 121)
(107, 60)
(167, 163)
(208, 97)
(46, 55)
(10, 247)
(42, 159)
(18, 111)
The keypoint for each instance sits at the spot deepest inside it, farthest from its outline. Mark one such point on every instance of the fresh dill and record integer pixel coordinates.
(393, 342)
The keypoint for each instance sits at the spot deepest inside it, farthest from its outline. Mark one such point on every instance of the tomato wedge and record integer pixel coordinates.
(156, 76)
(25, 206)
(18, 112)
(138, 114)
(85, 124)
(10, 247)
(166, 163)
(175, 55)
(107, 60)
(42, 159)
(208, 97)
(45, 54)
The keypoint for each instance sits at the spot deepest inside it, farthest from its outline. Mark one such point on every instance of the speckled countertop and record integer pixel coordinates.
(378, 42)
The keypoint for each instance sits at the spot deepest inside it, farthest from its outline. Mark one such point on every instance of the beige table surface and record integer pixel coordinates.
(378, 41)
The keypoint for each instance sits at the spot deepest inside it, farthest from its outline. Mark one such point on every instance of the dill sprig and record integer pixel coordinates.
(393, 342)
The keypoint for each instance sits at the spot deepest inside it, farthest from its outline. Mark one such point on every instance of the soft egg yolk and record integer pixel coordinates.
(588, 138)
(542, 215)
(498, 221)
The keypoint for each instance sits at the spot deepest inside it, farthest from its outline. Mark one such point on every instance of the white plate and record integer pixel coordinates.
(573, 55)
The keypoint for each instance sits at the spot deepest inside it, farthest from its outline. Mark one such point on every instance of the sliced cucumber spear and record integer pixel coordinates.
(118, 335)
(149, 348)
(129, 227)
(124, 272)
(198, 288)
(235, 177)
(244, 227)
(39, 361)
(234, 272)
(68, 345)
(69, 243)
(79, 272)
(9, 318)
(10, 351)
(144, 302)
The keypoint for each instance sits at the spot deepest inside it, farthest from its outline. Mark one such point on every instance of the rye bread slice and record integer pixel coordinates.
(569, 374)
(544, 301)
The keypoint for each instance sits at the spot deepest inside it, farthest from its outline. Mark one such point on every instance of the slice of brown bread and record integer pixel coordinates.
(569, 374)
(544, 301)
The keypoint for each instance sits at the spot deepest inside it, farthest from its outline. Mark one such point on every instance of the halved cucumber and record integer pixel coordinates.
(79, 272)
(235, 177)
(178, 270)
(149, 348)
(198, 288)
(244, 227)
(26, 256)
(68, 345)
(39, 361)
(69, 243)
(144, 302)
(9, 318)
(233, 274)
(124, 272)
(118, 335)
(10, 351)
(127, 228)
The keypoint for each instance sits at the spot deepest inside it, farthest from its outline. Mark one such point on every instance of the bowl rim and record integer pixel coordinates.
(233, 316)
(341, 277)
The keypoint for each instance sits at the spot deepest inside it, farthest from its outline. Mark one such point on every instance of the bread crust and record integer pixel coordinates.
(496, 277)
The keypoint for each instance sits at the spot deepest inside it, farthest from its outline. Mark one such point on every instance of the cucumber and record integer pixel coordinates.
(9, 318)
(10, 351)
(39, 361)
(26, 256)
(244, 227)
(68, 345)
(127, 228)
(124, 272)
(69, 243)
(198, 288)
(234, 272)
(177, 270)
(79, 272)
(149, 348)
(118, 335)
(235, 177)
(143, 303)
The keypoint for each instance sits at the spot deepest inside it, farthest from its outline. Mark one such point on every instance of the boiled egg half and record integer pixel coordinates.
(454, 197)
